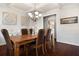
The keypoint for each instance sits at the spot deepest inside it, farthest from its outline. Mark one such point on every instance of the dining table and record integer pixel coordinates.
(21, 40)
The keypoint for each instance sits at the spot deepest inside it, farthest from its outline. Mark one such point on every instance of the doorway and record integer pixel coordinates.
(50, 22)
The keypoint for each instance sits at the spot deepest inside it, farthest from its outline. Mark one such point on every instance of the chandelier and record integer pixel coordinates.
(35, 14)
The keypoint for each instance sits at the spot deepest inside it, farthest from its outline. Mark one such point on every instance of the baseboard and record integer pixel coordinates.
(70, 43)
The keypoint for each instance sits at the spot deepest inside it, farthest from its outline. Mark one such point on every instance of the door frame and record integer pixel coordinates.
(54, 25)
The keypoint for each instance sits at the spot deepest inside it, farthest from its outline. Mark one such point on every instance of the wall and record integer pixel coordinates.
(29, 23)
(35, 25)
(15, 29)
(67, 33)
(11, 28)
(70, 32)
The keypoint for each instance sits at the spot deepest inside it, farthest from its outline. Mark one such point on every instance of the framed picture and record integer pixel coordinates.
(69, 20)
(24, 21)
(9, 18)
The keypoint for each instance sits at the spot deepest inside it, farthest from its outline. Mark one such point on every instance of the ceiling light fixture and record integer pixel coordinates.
(35, 14)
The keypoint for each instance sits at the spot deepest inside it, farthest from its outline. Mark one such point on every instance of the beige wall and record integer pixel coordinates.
(67, 33)
(15, 29)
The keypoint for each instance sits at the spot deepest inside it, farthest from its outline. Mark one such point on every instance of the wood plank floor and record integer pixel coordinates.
(61, 49)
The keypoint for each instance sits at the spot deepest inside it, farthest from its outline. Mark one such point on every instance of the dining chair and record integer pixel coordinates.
(31, 31)
(24, 31)
(8, 41)
(39, 42)
(48, 39)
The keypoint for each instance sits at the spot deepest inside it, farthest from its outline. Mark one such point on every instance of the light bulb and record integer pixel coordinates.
(36, 16)
(30, 14)
(40, 15)
(36, 13)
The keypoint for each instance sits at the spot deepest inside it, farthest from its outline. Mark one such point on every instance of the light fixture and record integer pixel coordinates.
(35, 14)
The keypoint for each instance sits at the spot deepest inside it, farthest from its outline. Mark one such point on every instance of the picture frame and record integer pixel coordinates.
(69, 20)
(9, 18)
(24, 21)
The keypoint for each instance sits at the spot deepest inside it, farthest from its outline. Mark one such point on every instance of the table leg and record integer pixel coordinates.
(53, 42)
(16, 50)
(26, 50)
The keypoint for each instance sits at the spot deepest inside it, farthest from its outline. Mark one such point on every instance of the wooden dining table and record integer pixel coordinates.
(21, 40)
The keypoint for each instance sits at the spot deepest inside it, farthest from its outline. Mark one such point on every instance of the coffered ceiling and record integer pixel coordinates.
(42, 7)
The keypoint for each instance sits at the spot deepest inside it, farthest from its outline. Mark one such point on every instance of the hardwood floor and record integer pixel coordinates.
(61, 49)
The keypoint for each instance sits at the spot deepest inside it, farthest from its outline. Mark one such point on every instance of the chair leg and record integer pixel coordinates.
(9, 52)
(43, 49)
(36, 51)
(47, 46)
